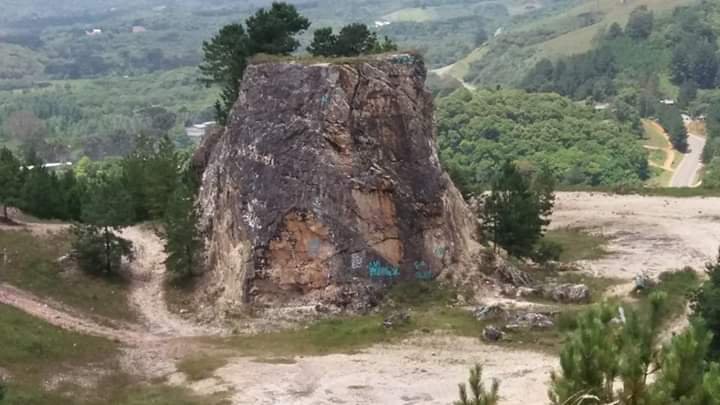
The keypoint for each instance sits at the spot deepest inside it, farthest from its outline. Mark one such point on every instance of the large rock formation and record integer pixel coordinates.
(325, 187)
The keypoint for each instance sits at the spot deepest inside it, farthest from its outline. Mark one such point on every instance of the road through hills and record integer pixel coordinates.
(687, 172)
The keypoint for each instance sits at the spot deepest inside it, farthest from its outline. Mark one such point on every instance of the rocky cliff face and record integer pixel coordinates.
(325, 187)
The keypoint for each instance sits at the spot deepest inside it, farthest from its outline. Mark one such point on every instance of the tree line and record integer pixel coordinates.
(153, 183)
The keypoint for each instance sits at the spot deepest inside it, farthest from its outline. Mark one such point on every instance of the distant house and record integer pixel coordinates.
(93, 32)
(601, 106)
(667, 101)
(686, 118)
(138, 29)
(198, 130)
(51, 165)
(381, 23)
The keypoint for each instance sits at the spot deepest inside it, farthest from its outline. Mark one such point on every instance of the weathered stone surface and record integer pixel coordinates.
(493, 311)
(492, 334)
(530, 320)
(567, 293)
(326, 187)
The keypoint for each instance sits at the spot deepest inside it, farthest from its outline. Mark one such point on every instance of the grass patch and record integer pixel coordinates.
(427, 303)
(33, 350)
(31, 265)
(200, 366)
(679, 286)
(578, 244)
(654, 136)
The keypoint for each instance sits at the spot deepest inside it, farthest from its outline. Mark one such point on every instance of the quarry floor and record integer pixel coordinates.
(652, 234)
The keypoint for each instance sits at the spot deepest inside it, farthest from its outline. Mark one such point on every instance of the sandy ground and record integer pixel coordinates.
(418, 371)
(653, 234)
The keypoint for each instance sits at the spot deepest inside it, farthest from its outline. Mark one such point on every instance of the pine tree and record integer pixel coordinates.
(513, 214)
(269, 31)
(479, 396)
(161, 174)
(107, 208)
(706, 305)
(10, 180)
(180, 231)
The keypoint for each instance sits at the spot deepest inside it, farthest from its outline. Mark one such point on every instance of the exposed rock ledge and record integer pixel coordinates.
(326, 187)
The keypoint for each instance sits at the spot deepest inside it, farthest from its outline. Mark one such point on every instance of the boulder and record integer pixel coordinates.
(325, 187)
(492, 334)
(567, 293)
(530, 320)
(493, 311)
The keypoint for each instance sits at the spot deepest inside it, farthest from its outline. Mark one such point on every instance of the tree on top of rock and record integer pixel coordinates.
(226, 55)
(353, 40)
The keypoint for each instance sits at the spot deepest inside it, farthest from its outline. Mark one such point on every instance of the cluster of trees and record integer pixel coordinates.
(152, 183)
(517, 210)
(592, 75)
(352, 40)
(613, 343)
(589, 75)
(671, 120)
(270, 31)
(695, 54)
(273, 32)
(711, 153)
(478, 131)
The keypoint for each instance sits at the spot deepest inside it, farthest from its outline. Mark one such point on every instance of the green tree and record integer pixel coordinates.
(323, 43)
(10, 180)
(640, 23)
(614, 345)
(106, 209)
(615, 31)
(180, 231)
(478, 394)
(226, 54)
(706, 305)
(352, 40)
(513, 215)
(161, 172)
(273, 31)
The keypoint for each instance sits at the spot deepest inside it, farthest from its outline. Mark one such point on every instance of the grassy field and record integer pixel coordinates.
(578, 244)
(35, 352)
(653, 136)
(31, 264)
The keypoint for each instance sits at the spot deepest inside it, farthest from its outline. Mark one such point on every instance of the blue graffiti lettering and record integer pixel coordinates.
(377, 270)
(420, 265)
(424, 275)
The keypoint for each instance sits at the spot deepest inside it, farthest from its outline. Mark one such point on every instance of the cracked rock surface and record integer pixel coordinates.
(325, 188)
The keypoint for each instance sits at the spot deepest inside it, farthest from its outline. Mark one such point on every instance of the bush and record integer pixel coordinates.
(546, 251)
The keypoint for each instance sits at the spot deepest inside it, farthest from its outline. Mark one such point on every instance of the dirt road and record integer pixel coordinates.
(686, 173)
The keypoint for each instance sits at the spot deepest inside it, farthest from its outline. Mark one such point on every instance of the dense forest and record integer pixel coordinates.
(479, 130)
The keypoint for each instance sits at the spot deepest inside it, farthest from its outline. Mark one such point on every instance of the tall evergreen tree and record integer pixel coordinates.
(10, 180)
(513, 214)
(107, 209)
(270, 31)
(180, 230)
